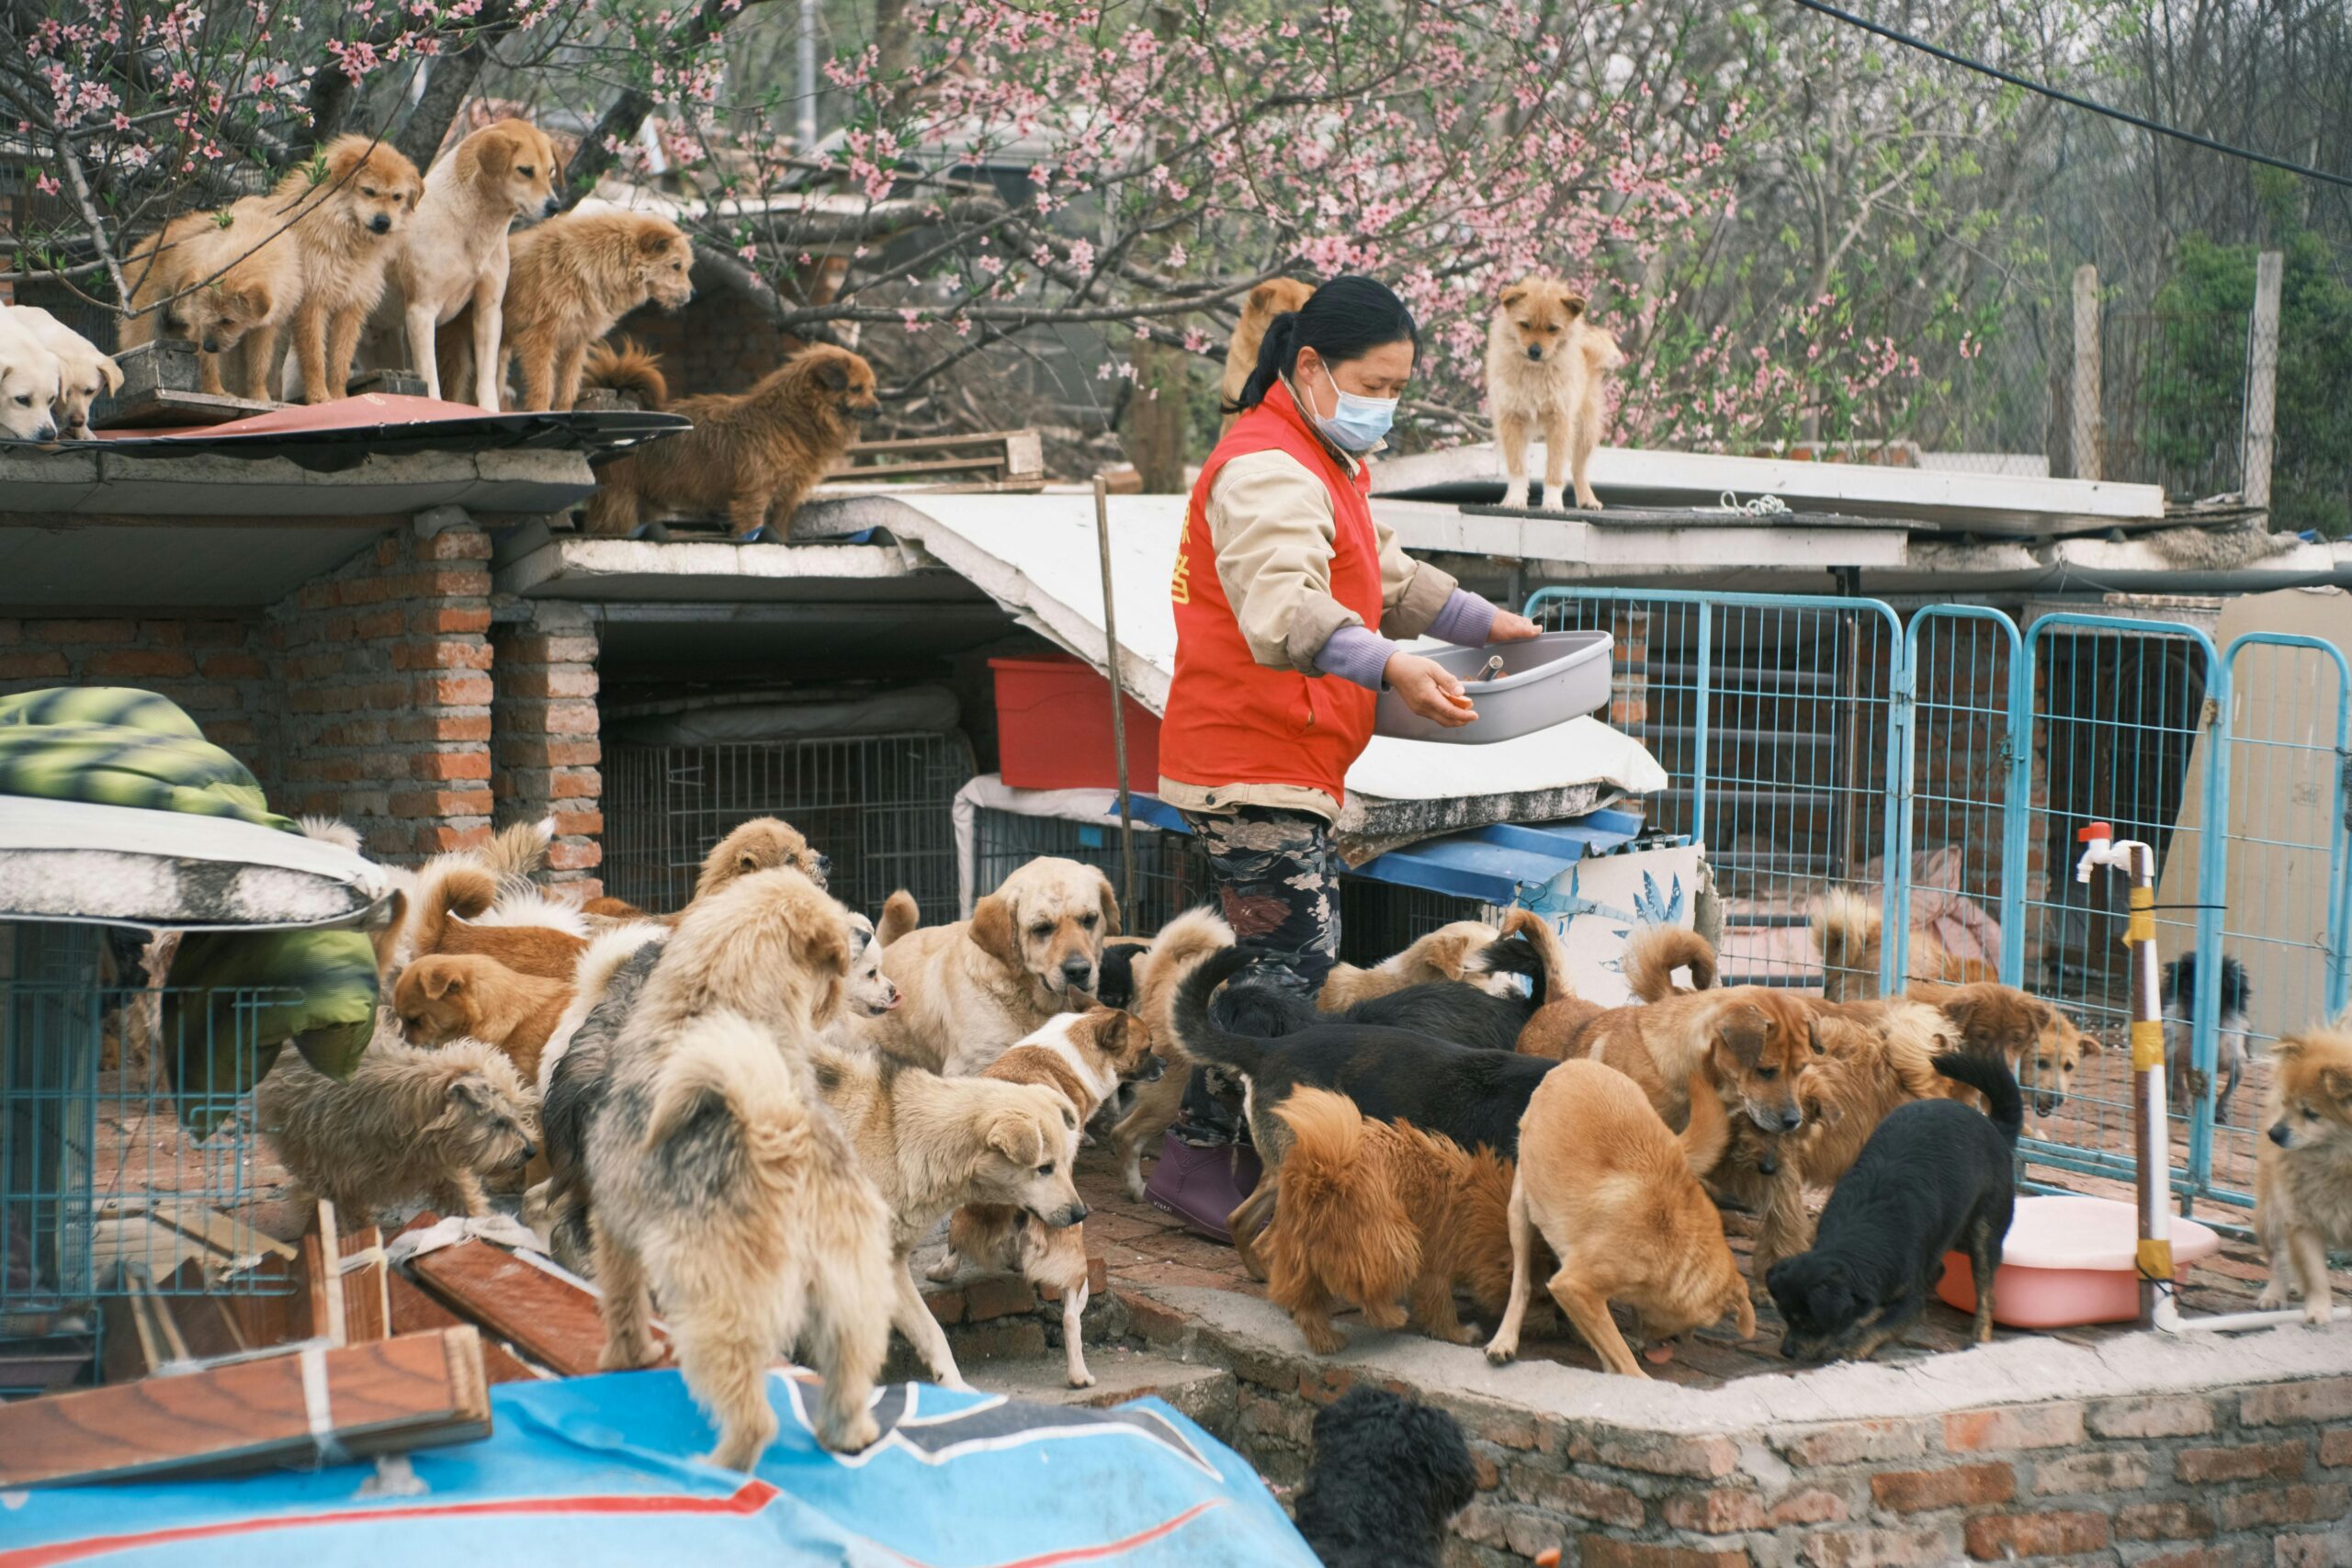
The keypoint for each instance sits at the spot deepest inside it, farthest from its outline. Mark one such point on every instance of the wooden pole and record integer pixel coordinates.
(2088, 460)
(2262, 380)
(1118, 699)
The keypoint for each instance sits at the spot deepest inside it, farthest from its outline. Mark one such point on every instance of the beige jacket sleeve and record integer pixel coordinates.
(1271, 522)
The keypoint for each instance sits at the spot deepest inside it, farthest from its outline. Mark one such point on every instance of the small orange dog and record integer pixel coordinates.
(445, 996)
(1547, 370)
(754, 454)
(454, 896)
(343, 213)
(1268, 299)
(2304, 1165)
(1373, 1210)
(1618, 1198)
(568, 281)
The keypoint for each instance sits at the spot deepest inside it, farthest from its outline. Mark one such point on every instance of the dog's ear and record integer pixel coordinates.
(1574, 304)
(1110, 902)
(992, 932)
(112, 374)
(832, 375)
(2338, 1083)
(1016, 1135)
(495, 155)
(470, 1093)
(251, 300)
(826, 948)
(1513, 295)
(1813, 1036)
(654, 237)
(440, 979)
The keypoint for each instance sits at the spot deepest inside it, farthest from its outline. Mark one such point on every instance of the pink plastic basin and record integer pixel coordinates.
(2069, 1261)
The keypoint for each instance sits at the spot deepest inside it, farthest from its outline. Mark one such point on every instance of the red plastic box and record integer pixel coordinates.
(1053, 717)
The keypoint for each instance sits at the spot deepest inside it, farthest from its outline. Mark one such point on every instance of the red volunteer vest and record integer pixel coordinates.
(1230, 719)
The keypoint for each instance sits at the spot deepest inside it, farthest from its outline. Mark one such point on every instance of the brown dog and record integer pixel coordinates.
(1180, 947)
(1085, 1056)
(209, 280)
(568, 281)
(2304, 1165)
(445, 996)
(451, 896)
(755, 456)
(345, 214)
(1617, 1197)
(1268, 299)
(1374, 1211)
(1754, 1041)
(1449, 953)
(1547, 369)
(2041, 1046)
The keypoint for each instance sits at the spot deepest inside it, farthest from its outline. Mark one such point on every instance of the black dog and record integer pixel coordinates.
(2180, 997)
(1394, 1074)
(1387, 1475)
(1114, 981)
(1448, 1010)
(1934, 1176)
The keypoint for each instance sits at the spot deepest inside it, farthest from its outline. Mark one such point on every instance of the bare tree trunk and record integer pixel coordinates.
(453, 76)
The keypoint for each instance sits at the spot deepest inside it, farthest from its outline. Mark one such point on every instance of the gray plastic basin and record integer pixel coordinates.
(1544, 682)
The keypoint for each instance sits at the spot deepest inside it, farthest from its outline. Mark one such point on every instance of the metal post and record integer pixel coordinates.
(2153, 1180)
(1701, 694)
(2261, 380)
(807, 127)
(2087, 428)
(1118, 698)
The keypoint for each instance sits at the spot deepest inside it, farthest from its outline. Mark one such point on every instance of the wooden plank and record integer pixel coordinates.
(414, 1312)
(207, 1324)
(323, 1282)
(547, 1318)
(367, 1300)
(141, 1337)
(268, 1301)
(992, 464)
(228, 1236)
(933, 442)
(419, 1390)
(163, 409)
(2260, 429)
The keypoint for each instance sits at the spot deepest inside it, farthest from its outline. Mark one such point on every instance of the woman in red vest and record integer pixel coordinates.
(1287, 595)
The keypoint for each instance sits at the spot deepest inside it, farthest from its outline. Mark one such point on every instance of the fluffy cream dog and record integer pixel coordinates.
(2304, 1165)
(82, 372)
(346, 216)
(457, 252)
(974, 988)
(1546, 369)
(214, 279)
(411, 1122)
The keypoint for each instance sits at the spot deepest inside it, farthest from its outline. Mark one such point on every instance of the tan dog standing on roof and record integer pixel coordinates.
(457, 251)
(1546, 370)
(1266, 301)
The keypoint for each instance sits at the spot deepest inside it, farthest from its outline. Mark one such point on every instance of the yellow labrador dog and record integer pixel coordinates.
(1031, 949)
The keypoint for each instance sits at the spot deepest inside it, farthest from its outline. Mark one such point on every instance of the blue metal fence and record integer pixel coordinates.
(1941, 766)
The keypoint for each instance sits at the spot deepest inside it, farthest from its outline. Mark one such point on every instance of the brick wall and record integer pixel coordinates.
(386, 693)
(218, 668)
(2253, 1477)
(543, 729)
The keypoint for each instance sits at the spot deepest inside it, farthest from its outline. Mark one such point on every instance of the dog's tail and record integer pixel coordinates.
(1657, 952)
(723, 1064)
(330, 830)
(1538, 939)
(1991, 1078)
(1339, 1201)
(519, 852)
(899, 916)
(452, 885)
(1847, 929)
(591, 978)
(1197, 1033)
(627, 366)
(1708, 1132)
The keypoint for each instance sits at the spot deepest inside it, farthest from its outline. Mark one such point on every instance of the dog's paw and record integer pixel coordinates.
(2273, 1297)
(944, 1270)
(741, 1451)
(1322, 1339)
(859, 1431)
(1587, 501)
(1463, 1333)
(2318, 1313)
(1081, 1379)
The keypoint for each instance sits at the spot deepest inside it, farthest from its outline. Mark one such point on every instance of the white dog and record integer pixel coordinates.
(29, 376)
(84, 373)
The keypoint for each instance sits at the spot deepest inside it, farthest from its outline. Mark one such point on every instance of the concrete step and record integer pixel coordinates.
(1203, 1393)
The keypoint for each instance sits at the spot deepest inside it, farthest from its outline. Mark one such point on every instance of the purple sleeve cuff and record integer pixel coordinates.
(1465, 621)
(1356, 654)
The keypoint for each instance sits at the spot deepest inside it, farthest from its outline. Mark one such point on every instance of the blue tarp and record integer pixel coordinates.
(593, 1472)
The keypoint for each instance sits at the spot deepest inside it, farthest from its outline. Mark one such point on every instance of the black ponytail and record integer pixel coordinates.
(1346, 318)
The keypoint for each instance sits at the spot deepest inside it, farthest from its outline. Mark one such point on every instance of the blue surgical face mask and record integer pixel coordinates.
(1357, 423)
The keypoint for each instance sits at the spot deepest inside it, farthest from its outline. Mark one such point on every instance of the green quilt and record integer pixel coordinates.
(117, 746)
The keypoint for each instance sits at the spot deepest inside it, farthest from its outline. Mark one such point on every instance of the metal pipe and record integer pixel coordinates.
(808, 126)
(2153, 1178)
(1118, 699)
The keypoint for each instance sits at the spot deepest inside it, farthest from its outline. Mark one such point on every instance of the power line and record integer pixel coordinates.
(2066, 97)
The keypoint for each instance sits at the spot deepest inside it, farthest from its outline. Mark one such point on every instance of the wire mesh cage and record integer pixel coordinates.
(878, 805)
(1376, 918)
(128, 1166)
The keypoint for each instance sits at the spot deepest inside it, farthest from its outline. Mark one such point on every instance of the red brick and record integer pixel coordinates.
(231, 732)
(2335, 1448)
(2249, 1461)
(136, 664)
(580, 823)
(163, 634)
(445, 619)
(2163, 1521)
(1653, 1454)
(947, 1306)
(34, 667)
(440, 803)
(458, 691)
(440, 838)
(1504, 1427)
(2320, 1399)
(1600, 1551)
(454, 543)
(1813, 1506)
(570, 718)
(442, 726)
(1958, 1486)
(1853, 1442)
(457, 653)
(566, 856)
(2237, 1555)
(451, 765)
(1574, 1494)
(1880, 1549)
(514, 751)
(534, 648)
(2014, 1426)
(1717, 1511)
(2111, 1470)
(453, 584)
(2284, 1505)
(378, 625)
(529, 682)
(235, 667)
(79, 631)
(998, 1295)
(2328, 1549)
(576, 786)
(1991, 1536)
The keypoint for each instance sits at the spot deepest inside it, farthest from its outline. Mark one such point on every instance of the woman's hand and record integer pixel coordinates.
(1429, 690)
(1508, 628)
